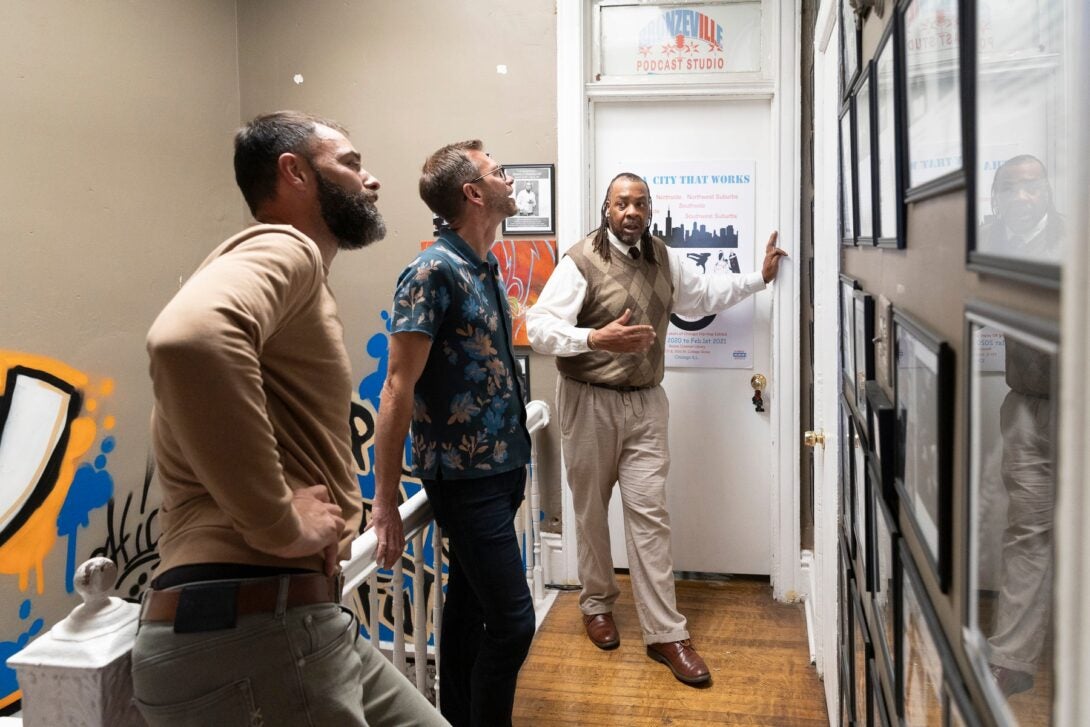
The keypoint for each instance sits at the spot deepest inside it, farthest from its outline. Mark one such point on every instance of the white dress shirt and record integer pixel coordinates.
(550, 322)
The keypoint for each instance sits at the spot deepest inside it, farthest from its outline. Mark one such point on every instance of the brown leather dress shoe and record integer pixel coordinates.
(601, 630)
(683, 661)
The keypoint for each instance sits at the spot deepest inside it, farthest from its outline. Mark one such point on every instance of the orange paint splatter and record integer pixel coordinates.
(90, 404)
(109, 422)
(106, 387)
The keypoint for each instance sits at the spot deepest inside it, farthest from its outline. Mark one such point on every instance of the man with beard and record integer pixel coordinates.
(603, 313)
(452, 372)
(250, 428)
(1024, 223)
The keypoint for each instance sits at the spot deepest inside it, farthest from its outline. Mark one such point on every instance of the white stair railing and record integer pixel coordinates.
(416, 516)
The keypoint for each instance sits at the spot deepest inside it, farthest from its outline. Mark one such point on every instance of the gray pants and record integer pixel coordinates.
(301, 666)
(621, 437)
(1024, 609)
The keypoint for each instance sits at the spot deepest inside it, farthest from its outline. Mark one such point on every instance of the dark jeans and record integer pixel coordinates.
(488, 618)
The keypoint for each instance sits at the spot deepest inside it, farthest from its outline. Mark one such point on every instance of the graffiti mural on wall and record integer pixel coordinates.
(364, 413)
(131, 538)
(51, 420)
(525, 266)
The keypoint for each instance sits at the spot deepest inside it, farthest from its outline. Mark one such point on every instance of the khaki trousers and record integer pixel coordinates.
(621, 437)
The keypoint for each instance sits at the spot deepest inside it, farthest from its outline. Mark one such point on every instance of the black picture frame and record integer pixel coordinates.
(539, 217)
(861, 495)
(844, 621)
(848, 209)
(885, 586)
(851, 47)
(522, 373)
(881, 428)
(862, 656)
(889, 217)
(876, 698)
(922, 656)
(847, 289)
(1038, 261)
(847, 440)
(863, 143)
(923, 383)
(863, 349)
(1011, 440)
(924, 71)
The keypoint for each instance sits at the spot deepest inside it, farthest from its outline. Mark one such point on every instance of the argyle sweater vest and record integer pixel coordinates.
(643, 287)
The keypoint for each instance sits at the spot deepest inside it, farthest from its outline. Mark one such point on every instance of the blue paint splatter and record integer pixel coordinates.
(92, 487)
(8, 682)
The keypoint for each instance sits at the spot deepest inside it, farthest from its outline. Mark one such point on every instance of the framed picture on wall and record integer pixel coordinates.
(923, 446)
(850, 46)
(847, 177)
(932, 97)
(848, 286)
(863, 344)
(920, 654)
(847, 439)
(862, 659)
(1019, 148)
(880, 433)
(889, 208)
(534, 194)
(1013, 383)
(885, 593)
(862, 527)
(864, 158)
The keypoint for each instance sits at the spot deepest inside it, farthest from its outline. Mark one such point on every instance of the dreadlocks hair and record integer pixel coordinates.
(601, 236)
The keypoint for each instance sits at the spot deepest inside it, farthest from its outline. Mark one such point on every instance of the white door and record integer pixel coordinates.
(719, 489)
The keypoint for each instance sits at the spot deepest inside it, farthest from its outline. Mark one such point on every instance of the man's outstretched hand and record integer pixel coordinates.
(771, 266)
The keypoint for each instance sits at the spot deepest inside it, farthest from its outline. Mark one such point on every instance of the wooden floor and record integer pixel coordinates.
(756, 650)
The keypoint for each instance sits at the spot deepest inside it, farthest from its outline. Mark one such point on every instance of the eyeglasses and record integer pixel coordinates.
(498, 171)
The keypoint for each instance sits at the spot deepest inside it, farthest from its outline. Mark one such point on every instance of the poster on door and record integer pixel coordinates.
(706, 211)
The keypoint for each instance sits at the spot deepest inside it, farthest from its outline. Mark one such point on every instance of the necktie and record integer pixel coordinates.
(634, 252)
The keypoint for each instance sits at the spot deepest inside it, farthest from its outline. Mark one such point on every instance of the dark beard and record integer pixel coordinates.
(352, 218)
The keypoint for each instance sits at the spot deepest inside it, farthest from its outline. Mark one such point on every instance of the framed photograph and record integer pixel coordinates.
(1012, 386)
(889, 209)
(924, 402)
(920, 658)
(848, 286)
(932, 97)
(844, 640)
(847, 453)
(862, 527)
(522, 373)
(863, 354)
(1019, 146)
(850, 46)
(862, 659)
(864, 159)
(848, 223)
(534, 194)
(880, 432)
(885, 597)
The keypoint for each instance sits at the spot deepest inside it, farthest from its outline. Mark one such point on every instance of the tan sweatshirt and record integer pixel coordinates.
(252, 393)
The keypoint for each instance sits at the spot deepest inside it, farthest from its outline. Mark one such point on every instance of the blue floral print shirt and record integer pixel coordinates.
(468, 418)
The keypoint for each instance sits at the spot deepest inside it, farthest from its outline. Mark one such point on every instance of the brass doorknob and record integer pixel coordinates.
(812, 439)
(758, 381)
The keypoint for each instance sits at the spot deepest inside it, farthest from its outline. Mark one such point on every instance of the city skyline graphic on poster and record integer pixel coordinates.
(705, 210)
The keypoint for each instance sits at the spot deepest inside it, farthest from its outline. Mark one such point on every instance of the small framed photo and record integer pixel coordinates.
(847, 445)
(864, 158)
(1021, 148)
(923, 399)
(850, 46)
(848, 286)
(534, 195)
(932, 97)
(522, 373)
(885, 594)
(860, 519)
(920, 654)
(1013, 384)
(881, 423)
(889, 210)
(862, 656)
(848, 223)
(863, 354)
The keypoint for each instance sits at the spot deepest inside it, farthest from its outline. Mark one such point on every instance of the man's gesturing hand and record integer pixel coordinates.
(771, 266)
(619, 337)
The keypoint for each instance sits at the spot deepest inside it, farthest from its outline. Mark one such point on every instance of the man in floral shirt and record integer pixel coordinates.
(452, 373)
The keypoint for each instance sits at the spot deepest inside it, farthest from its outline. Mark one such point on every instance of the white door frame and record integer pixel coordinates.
(575, 99)
(826, 107)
